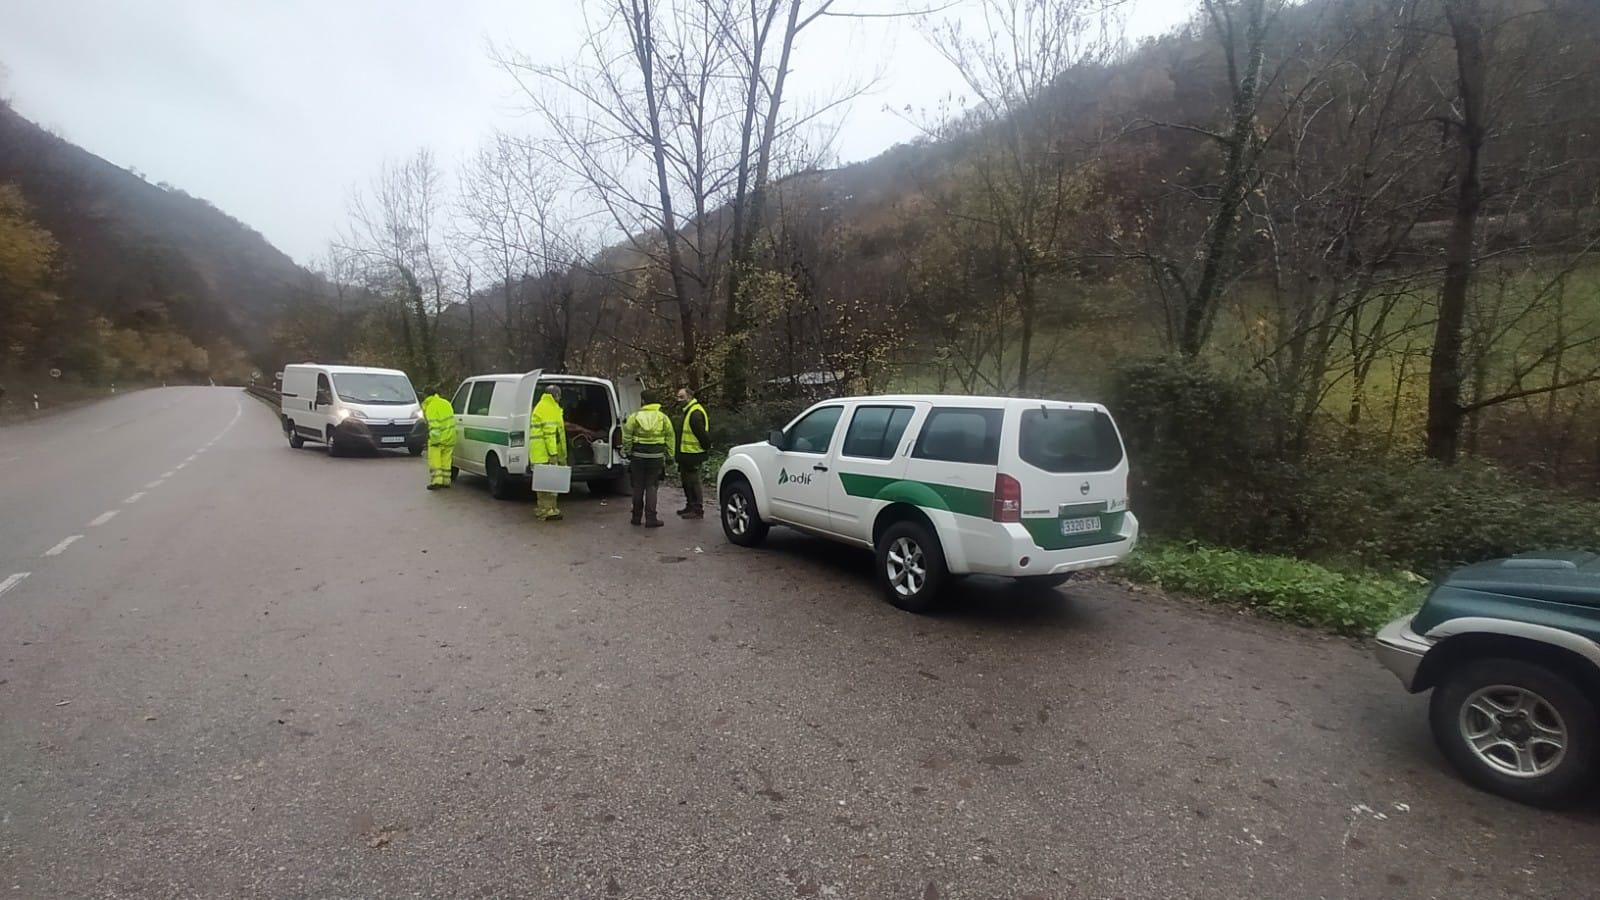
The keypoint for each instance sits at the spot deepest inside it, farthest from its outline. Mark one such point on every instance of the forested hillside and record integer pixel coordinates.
(106, 276)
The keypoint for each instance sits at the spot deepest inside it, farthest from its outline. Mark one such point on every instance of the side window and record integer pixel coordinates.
(460, 403)
(324, 390)
(478, 403)
(813, 433)
(961, 435)
(875, 431)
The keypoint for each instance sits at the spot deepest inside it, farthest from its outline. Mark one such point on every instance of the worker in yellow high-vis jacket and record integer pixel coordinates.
(547, 444)
(441, 420)
(694, 440)
(647, 442)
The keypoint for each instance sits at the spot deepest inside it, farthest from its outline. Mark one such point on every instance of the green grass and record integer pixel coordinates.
(1292, 590)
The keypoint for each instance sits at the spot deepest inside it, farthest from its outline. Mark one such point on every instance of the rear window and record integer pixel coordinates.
(961, 435)
(478, 403)
(1068, 440)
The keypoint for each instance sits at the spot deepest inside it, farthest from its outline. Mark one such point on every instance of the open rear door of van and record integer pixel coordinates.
(630, 396)
(522, 400)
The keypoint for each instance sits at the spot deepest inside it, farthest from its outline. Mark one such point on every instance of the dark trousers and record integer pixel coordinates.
(694, 494)
(646, 477)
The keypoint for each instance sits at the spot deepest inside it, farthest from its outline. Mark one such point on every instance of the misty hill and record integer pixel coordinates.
(142, 258)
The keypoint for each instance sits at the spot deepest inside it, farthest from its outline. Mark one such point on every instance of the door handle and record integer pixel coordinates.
(820, 467)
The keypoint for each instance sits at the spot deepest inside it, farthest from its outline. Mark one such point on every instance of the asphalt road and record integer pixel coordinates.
(272, 673)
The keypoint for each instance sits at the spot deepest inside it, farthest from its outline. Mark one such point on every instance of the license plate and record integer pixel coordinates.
(393, 440)
(1080, 526)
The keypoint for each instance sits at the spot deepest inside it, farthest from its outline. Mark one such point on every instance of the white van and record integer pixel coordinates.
(941, 486)
(343, 407)
(492, 428)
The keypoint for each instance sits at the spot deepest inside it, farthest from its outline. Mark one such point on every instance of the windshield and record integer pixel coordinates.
(373, 387)
(1069, 440)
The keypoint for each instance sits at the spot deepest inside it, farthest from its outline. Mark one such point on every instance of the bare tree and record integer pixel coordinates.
(1024, 181)
(396, 230)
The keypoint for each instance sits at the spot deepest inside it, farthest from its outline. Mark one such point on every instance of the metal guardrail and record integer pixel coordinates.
(262, 392)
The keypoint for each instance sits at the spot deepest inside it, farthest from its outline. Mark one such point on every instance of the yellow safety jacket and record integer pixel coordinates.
(441, 421)
(647, 434)
(689, 442)
(547, 433)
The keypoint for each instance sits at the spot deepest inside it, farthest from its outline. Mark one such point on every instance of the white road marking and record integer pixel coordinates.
(103, 518)
(154, 484)
(179, 466)
(12, 581)
(190, 459)
(134, 497)
(58, 549)
(165, 475)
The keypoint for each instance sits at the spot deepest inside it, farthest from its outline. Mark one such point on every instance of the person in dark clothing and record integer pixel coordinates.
(694, 440)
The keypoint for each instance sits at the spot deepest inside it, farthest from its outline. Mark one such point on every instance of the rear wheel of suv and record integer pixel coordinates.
(911, 567)
(1516, 729)
(741, 522)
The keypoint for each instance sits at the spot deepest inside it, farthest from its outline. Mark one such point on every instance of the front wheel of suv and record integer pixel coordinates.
(741, 521)
(1517, 729)
(911, 568)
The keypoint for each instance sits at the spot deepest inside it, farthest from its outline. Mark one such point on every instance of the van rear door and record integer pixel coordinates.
(526, 390)
(1069, 462)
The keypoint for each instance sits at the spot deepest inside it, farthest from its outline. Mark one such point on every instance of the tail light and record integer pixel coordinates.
(1007, 499)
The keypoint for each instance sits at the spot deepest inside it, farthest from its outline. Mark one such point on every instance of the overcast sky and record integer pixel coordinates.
(274, 110)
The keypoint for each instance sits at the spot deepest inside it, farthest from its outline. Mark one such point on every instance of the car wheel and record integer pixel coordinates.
(1516, 729)
(295, 440)
(911, 567)
(741, 522)
(500, 486)
(332, 444)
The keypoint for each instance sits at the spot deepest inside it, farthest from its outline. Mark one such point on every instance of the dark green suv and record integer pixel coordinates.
(1510, 649)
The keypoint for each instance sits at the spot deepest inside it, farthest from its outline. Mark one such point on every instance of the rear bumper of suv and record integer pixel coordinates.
(1401, 650)
(1010, 550)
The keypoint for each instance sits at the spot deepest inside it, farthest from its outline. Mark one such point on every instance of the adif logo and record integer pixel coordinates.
(784, 477)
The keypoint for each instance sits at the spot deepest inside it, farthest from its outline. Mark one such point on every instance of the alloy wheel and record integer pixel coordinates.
(1513, 731)
(906, 567)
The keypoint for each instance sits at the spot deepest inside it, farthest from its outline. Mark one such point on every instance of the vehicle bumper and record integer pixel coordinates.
(1004, 555)
(1401, 650)
(355, 432)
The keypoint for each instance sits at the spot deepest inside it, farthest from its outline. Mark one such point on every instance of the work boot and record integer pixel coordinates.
(553, 517)
(433, 487)
(635, 521)
(654, 523)
(695, 514)
(684, 512)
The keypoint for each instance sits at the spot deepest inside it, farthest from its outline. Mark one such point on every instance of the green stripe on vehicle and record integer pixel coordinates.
(959, 500)
(487, 435)
(1046, 531)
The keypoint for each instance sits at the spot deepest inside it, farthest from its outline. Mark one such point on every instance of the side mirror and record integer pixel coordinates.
(775, 438)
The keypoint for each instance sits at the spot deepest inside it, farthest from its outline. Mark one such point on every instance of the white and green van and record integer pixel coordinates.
(941, 486)
(492, 428)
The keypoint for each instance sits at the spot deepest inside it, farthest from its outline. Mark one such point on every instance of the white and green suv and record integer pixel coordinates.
(941, 486)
